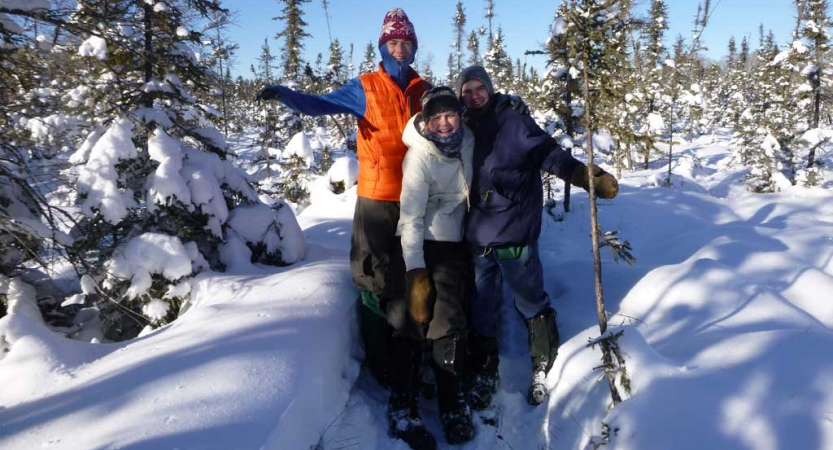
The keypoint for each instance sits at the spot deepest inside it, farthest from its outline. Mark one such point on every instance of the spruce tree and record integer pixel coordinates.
(451, 75)
(28, 223)
(220, 53)
(157, 173)
(369, 63)
(336, 73)
(766, 130)
(489, 14)
(474, 49)
(459, 35)
(817, 33)
(498, 63)
(293, 35)
(599, 44)
(292, 66)
(266, 62)
(563, 88)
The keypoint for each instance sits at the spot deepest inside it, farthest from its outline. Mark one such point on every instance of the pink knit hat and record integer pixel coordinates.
(397, 26)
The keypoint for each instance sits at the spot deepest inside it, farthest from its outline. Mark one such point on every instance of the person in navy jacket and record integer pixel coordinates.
(504, 225)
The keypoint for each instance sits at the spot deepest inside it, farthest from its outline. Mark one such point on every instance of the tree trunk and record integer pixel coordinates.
(148, 10)
(629, 157)
(601, 314)
(567, 190)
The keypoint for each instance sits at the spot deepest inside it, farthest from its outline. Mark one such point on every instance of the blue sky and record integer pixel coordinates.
(525, 24)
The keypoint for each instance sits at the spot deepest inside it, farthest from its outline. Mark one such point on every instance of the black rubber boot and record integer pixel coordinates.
(455, 415)
(543, 347)
(376, 336)
(404, 421)
(483, 377)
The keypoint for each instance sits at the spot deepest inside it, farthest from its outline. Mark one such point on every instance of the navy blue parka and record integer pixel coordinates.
(507, 193)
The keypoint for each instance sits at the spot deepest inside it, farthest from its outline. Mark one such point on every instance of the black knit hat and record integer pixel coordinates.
(473, 73)
(438, 100)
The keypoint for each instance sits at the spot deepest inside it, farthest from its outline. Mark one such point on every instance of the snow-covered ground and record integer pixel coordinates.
(727, 320)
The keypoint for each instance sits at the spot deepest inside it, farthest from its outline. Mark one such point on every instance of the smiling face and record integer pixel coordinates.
(475, 94)
(400, 49)
(444, 123)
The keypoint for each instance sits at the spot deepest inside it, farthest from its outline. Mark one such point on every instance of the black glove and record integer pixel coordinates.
(269, 93)
(518, 104)
(604, 183)
(421, 295)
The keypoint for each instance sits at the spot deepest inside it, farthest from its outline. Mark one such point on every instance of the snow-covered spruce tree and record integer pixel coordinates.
(293, 34)
(731, 86)
(562, 91)
(266, 117)
(647, 99)
(458, 24)
(738, 79)
(292, 66)
(331, 131)
(816, 32)
(28, 223)
(740, 111)
(450, 73)
(685, 89)
(633, 130)
(296, 161)
(715, 92)
(672, 90)
(498, 63)
(159, 199)
(770, 120)
(336, 71)
(266, 64)
(369, 62)
(600, 41)
(473, 45)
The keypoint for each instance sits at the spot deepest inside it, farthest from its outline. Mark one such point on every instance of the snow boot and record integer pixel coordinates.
(483, 378)
(404, 421)
(543, 347)
(376, 335)
(455, 415)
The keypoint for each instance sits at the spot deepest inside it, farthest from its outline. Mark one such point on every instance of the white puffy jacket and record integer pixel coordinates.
(435, 193)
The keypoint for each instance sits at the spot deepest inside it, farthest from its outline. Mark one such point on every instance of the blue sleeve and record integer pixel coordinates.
(349, 98)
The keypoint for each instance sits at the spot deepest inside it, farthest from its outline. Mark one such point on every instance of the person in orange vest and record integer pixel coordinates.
(383, 101)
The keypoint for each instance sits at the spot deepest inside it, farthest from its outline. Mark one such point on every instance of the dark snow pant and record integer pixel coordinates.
(450, 268)
(375, 250)
(379, 271)
(521, 269)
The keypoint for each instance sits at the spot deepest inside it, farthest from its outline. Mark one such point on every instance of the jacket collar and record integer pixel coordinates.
(399, 72)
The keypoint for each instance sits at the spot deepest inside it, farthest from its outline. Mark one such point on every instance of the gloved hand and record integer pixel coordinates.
(518, 104)
(269, 93)
(604, 183)
(421, 295)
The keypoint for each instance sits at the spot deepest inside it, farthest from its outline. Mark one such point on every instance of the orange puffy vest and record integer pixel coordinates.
(379, 144)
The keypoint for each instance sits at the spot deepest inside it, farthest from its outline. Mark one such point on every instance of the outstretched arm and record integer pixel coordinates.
(349, 99)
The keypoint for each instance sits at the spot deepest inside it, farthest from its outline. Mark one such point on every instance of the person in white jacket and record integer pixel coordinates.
(437, 175)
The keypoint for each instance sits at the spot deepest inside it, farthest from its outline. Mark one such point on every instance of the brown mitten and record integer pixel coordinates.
(604, 183)
(421, 295)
